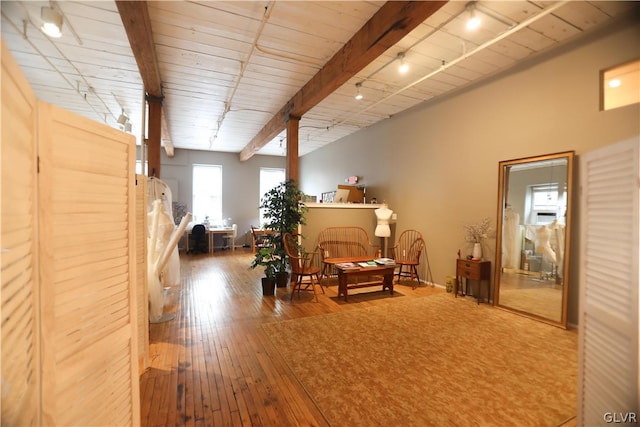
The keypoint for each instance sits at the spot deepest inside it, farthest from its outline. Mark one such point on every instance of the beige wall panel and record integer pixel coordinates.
(87, 264)
(19, 295)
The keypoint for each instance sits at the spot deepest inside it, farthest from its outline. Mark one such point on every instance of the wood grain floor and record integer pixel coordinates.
(212, 366)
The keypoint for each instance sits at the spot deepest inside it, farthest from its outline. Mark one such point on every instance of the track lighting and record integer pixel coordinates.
(51, 22)
(358, 94)
(123, 119)
(404, 67)
(474, 21)
(127, 127)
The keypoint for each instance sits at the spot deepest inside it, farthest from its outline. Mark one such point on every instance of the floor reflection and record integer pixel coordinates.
(532, 294)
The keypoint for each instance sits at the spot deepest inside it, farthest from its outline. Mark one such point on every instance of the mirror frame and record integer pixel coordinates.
(503, 182)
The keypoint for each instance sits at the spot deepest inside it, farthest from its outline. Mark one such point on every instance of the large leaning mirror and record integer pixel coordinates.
(532, 236)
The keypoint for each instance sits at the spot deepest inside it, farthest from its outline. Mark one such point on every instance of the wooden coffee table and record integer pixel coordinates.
(386, 271)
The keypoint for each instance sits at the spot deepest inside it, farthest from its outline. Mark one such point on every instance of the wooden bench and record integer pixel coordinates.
(340, 244)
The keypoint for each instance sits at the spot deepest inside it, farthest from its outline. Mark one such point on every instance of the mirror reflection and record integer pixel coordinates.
(532, 239)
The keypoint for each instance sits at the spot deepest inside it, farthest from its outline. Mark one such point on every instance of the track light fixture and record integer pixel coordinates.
(123, 119)
(404, 67)
(51, 22)
(474, 21)
(127, 127)
(358, 94)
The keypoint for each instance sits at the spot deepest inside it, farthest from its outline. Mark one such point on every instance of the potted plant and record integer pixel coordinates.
(283, 212)
(265, 257)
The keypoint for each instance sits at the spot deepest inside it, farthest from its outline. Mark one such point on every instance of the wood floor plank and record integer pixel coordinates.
(213, 366)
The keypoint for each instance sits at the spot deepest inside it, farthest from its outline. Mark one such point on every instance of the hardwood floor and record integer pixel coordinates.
(212, 366)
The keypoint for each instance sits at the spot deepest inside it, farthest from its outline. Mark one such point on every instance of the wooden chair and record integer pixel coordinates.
(406, 253)
(259, 241)
(229, 239)
(301, 266)
(337, 244)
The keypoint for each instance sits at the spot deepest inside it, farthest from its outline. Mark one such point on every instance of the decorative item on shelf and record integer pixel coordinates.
(476, 233)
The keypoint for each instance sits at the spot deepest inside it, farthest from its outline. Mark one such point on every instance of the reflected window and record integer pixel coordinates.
(547, 203)
(620, 85)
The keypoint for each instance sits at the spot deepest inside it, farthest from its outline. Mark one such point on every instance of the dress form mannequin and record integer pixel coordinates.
(383, 214)
(543, 243)
(383, 230)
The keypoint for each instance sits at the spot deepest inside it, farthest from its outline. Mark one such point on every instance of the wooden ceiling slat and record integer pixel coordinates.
(392, 22)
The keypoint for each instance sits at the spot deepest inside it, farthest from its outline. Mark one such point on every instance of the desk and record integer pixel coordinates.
(259, 232)
(211, 232)
(472, 270)
(386, 271)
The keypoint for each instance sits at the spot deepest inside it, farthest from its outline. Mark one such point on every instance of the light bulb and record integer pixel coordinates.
(51, 22)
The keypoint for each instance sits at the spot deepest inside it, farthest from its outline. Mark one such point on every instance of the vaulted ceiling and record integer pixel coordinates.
(227, 68)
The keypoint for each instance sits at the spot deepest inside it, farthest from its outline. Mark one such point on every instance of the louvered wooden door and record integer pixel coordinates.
(608, 350)
(87, 265)
(69, 312)
(19, 294)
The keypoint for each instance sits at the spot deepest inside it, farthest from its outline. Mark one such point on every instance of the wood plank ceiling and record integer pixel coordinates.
(228, 67)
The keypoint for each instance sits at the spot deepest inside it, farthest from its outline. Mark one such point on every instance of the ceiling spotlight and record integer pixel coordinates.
(127, 127)
(123, 119)
(358, 94)
(51, 22)
(404, 67)
(474, 21)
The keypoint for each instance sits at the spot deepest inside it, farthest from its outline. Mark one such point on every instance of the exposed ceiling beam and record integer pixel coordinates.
(137, 24)
(393, 21)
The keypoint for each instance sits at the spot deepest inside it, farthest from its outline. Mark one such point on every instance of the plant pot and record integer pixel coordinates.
(268, 286)
(282, 279)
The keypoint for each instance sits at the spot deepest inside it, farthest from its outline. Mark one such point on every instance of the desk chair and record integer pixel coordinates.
(230, 238)
(198, 239)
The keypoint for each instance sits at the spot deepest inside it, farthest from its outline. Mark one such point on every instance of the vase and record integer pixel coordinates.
(477, 251)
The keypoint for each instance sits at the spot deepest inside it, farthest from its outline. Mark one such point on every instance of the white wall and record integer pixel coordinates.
(437, 164)
(240, 182)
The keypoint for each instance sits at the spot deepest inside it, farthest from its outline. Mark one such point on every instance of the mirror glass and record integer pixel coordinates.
(532, 236)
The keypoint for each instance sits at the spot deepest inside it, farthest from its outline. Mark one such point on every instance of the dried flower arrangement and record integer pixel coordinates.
(477, 232)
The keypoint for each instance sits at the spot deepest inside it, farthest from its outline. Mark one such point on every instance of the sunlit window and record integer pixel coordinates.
(547, 203)
(269, 178)
(207, 194)
(620, 85)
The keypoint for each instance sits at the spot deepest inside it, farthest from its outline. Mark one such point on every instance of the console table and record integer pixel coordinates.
(472, 270)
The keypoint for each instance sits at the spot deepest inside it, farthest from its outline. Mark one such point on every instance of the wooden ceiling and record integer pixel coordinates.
(228, 68)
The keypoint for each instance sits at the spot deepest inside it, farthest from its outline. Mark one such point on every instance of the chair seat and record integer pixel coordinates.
(406, 262)
(309, 270)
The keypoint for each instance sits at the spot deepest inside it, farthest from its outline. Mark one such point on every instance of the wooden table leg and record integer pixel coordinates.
(342, 285)
(388, 282)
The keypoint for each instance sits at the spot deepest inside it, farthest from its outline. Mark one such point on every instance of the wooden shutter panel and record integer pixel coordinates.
(87, 258)
(19, 294)
(608, 346)
(141, 273)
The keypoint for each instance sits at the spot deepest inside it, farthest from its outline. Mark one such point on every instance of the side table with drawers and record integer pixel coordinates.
(472, 270)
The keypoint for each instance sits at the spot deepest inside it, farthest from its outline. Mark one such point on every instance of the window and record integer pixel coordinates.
(207, 193)
(547, 203)
(139, 169)
(620, 85)
(269, 178)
